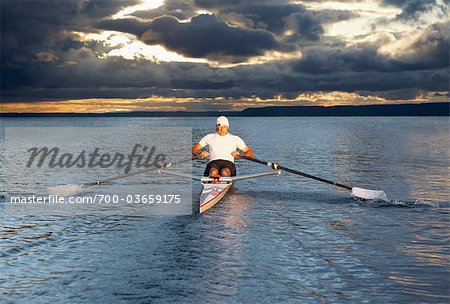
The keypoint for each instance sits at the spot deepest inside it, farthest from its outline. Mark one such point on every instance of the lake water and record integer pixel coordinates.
(277, 238)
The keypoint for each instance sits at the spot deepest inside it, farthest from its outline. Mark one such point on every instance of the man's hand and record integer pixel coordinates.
(236, 154)
(248, 152)
(203, 155)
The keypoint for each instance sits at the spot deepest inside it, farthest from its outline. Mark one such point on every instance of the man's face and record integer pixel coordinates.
(222, 130)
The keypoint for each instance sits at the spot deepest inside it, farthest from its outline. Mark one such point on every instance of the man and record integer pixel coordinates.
(222, 150)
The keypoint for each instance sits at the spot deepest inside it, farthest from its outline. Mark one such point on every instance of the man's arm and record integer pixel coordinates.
(247, 151)
(196, 149)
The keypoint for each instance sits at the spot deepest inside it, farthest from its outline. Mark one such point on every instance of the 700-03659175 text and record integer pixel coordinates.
(98, 199)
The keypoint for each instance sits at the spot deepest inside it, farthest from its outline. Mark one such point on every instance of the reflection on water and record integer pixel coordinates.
(412, 157)
(226, 235)
(274, 239)
(431, 151)
(432, 183)
(430, 245)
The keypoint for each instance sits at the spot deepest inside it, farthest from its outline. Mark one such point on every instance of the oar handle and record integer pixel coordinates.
(276, 166)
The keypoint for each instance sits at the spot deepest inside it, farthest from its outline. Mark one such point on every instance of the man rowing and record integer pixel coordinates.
(223, 148)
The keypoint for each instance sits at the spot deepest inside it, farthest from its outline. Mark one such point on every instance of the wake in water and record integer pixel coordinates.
(398, 203)
(418, 203)
(380, 197)
(65, 190)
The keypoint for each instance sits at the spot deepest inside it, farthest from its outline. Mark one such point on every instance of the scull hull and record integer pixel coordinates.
(212, 193)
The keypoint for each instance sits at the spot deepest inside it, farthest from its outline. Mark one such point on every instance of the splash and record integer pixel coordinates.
(415, 204)
(369, 194)
(65, 190)
(427, 204)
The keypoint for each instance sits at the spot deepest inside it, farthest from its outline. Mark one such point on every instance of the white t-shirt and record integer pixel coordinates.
(220, 147)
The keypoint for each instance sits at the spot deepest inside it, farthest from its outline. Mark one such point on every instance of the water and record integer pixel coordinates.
(277, 238)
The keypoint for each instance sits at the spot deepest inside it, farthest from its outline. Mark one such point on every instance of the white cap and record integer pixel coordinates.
(222, 121)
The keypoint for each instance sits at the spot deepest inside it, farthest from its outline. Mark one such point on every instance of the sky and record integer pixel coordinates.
(216, 55)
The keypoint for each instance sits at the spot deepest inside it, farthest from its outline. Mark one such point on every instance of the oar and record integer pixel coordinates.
(67, 190)
(162, 165)
(358, 192)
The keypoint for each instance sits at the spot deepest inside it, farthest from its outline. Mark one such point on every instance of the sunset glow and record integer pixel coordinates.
(158, 103)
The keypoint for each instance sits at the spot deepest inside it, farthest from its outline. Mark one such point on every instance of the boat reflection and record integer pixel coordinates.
(228, 241)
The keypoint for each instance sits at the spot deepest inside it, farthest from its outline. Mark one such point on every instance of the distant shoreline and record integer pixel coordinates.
(423, 109)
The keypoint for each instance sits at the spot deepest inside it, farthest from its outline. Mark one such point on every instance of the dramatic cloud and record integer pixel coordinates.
(128, 25)
(273, 16)
(180, 9)
(31, 27)
(428, 51)
(282, 18)
(413, 8)
(431, 49)
(310, 25)
(205, 36)
(224, 50)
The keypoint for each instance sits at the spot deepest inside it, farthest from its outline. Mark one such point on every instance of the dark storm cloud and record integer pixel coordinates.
(301, 25)
(219, 3)
(120, 78)
(236, 31)
(92, 77)
(262, 11)
(207, 37)
(104, 8)
(267, 16)
(181, 9)
(29, 27)
(310, 25)
(272, 16)
(411, 9)
(41, 60)
(428, 51)
(273, 81)
(431, 49)
(127, 25)
(324, 60)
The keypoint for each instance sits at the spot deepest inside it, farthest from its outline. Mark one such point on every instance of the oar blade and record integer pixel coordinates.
(369, 194)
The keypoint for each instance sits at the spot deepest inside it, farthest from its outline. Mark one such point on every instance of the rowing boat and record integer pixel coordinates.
(214, 189)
